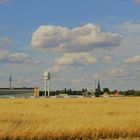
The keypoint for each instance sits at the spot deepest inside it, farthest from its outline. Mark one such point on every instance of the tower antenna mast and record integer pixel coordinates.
(10, 82)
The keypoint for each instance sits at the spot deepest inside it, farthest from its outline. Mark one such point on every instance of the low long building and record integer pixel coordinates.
(17, 92)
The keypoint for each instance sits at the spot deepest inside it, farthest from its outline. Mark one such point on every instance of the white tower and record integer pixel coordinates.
(46, 78)
(94, 85)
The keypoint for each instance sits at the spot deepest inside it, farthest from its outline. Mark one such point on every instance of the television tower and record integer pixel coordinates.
(10, 82)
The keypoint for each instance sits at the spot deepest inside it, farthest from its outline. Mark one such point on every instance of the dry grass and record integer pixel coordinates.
(66, 119)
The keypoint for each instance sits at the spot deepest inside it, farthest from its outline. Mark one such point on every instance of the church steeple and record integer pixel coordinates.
(99, 87)
(10, 82)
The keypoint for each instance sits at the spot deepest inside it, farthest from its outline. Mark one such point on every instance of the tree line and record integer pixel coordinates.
(97, 92)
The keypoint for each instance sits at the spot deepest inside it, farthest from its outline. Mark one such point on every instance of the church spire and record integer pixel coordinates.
(99, 87)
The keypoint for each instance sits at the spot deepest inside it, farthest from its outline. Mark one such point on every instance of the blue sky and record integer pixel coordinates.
(78, 41)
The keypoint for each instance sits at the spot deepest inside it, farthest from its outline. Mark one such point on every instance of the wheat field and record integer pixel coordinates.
(70, 118)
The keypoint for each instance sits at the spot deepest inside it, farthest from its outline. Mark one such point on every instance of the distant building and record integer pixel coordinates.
(117, 94)
(105, 94)
(36, 91)
(17, 92)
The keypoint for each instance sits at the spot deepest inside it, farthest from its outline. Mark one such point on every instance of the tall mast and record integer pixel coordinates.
(10, 82)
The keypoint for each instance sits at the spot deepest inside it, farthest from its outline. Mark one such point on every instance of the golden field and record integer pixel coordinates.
(70, 118)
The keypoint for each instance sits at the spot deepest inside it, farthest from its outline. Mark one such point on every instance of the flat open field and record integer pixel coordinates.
(67, 118)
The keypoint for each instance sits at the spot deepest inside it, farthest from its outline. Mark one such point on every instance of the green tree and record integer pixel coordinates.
(65, 90)
(106, 90)
(83, 90)
(97, 93)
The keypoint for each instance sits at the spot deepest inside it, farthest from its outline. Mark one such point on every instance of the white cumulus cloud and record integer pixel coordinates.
(73, 59)
(84, 38)
(119, 72)
(18, 57)
(4, 54)
(133, 60)
(55, 68)
(5, 41)
(8, 57)
(107, 59)
(130, 26)
(77, 58)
